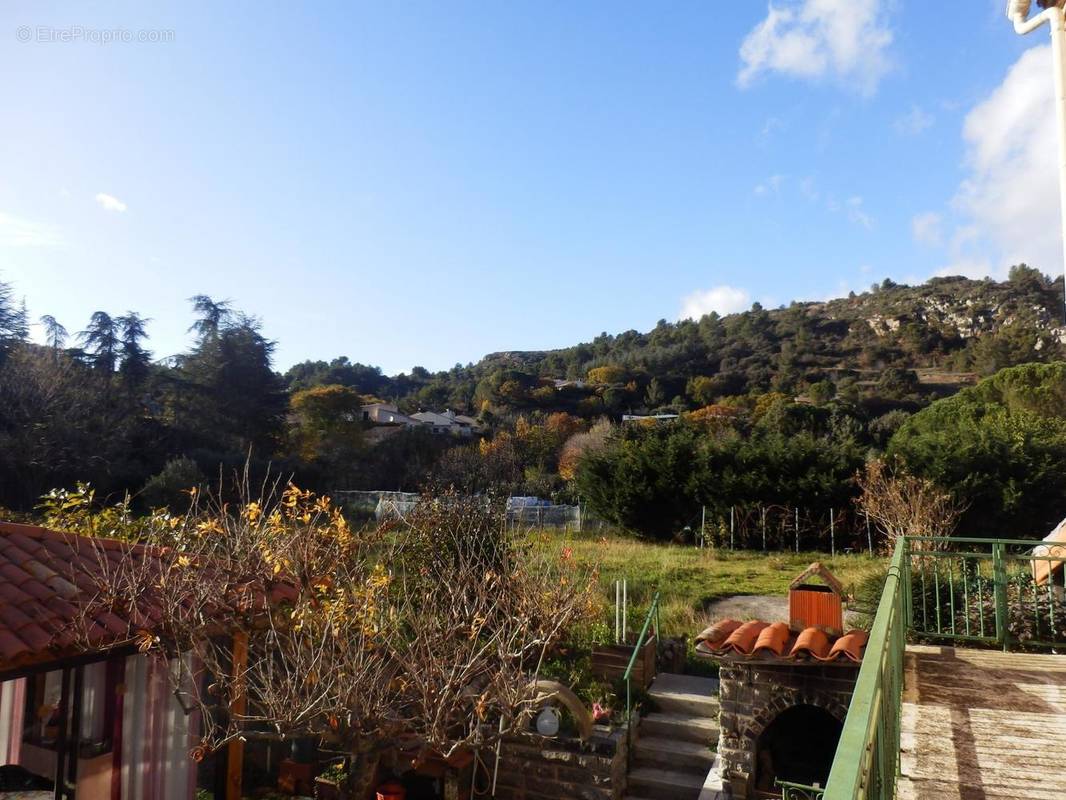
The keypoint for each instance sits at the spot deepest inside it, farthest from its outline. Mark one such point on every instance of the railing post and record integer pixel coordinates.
(999, 586)
(907, 599)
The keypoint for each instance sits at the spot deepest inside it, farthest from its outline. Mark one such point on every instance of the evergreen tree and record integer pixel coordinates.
(14, 327)
(136, 360)
(55, 335)
(101, 342)
(214, 315)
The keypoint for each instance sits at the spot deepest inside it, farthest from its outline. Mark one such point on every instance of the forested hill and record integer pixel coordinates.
(96, 405)
(892, 343)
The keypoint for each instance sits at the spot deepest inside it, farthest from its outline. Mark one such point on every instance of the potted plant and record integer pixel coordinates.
(332, 782)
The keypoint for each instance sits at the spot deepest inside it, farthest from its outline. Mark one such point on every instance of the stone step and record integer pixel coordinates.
(684, 727)
(664, 784)
(685, 694)
(676, 754)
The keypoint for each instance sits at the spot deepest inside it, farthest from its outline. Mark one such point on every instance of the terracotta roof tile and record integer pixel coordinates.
(45, 574)
(719, 632)
(743, 639)
(758, 639)
(40, 575)
(850, 645)
(812, 642)
(773, 639)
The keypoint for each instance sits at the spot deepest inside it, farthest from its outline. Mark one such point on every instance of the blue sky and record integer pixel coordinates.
(423, 183)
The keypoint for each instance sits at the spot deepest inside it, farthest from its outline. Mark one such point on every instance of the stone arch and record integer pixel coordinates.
(782, 699)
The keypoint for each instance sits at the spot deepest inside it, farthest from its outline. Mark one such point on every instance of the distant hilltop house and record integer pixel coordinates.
(560, 383)
(650, 417)
(448, 422)
(388, 419)
(387, 414)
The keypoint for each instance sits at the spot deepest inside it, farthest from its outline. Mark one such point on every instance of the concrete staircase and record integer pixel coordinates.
(676, 741)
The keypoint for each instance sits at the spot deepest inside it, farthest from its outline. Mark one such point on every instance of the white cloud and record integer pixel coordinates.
(913, 122)
(723, 299)
(20, 232)
(770, 185)
(927, 228)
(110, 203)
(847, 40)
(1009, 200)
(772, 126)
(809, 189)
(857, 214)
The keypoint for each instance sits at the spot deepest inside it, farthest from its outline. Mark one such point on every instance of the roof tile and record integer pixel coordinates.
(758, 639)
(773, 639)
(811, 642)
(42, 575)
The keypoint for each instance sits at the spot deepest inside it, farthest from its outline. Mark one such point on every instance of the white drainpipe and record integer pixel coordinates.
(1018, 13)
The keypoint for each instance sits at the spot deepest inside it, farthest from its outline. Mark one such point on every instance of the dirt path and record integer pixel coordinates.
(769, 608)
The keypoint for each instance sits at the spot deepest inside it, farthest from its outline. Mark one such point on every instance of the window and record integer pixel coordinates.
(99, 708)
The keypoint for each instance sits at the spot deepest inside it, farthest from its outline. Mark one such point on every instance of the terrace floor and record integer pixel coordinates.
(982, 725)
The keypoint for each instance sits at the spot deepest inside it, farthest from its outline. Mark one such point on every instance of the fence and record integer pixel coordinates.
(787, 528)
(380, 505)
(392, 505)
(999, 592)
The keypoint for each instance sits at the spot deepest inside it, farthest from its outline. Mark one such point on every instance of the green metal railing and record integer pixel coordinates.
(993, 592)
(650, 619)
(867, 758)
(799, 791)
(985, 591)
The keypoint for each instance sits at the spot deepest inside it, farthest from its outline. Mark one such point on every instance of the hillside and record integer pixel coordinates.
(894, 344)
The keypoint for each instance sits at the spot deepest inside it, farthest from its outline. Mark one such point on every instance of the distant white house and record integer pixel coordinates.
(387, 414)
(649, 417)
(448, 422)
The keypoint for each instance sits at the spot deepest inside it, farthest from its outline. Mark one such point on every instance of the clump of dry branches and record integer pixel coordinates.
(901, 504)
(425, 632)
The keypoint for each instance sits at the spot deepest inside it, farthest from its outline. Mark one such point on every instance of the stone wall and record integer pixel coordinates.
(752, 695)
(535, 768)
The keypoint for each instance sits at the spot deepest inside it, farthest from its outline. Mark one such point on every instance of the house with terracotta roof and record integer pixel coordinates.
(91, 723)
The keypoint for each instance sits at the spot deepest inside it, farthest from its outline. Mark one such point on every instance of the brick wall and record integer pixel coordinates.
(534, 768)
(752, 695)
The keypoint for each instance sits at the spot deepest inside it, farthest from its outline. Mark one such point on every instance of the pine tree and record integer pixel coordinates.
(55, 335)
(214, 315)
(136, 360)
(101, 342)
(14, 327)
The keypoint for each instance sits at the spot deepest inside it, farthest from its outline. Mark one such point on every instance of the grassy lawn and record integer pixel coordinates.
(689, 578)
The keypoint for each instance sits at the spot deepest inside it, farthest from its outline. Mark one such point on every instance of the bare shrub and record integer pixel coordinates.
(427, 632)
(902, 504)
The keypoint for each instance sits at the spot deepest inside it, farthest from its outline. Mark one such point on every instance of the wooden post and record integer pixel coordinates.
(617, 612)
(703, 527)
(235, 749)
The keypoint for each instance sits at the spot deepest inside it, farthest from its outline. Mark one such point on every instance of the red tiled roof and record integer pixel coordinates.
(758, 639)
(42, 576)
(45, 575)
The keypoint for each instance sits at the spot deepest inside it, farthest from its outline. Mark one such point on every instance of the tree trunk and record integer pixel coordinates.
(363, 771)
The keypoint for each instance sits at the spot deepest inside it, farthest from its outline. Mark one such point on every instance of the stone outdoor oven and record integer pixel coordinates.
(784, 689)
